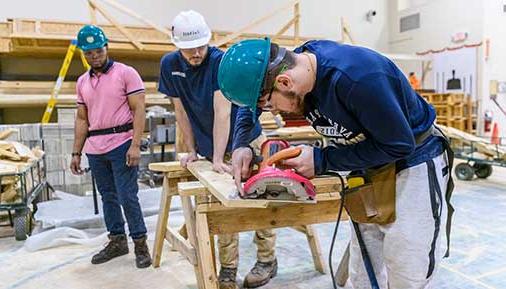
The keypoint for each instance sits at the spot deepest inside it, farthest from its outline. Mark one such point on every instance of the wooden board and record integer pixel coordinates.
(166, 167)
(28, 37)
(34, 100)
(482, 145)
(293, 133)
(222, 186)
(250, 219)
(46, 87)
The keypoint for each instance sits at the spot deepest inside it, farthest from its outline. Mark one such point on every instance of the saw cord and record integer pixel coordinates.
(365, 256)
(341, 207)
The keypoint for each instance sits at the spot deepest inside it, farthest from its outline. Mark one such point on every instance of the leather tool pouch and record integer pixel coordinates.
(374, 201)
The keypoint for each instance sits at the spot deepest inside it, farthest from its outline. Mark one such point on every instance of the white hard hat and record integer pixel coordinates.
(190, 30)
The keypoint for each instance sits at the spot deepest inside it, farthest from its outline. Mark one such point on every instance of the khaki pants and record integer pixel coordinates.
(228, 244)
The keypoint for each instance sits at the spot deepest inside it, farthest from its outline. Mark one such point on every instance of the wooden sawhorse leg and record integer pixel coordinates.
(314, 245)
(205, 255)
(189, 217)
(163, 219)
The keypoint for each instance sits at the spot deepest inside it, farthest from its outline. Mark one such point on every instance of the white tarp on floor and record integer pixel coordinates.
(70, 219)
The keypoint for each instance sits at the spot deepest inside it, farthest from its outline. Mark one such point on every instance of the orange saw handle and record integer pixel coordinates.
(282, 155)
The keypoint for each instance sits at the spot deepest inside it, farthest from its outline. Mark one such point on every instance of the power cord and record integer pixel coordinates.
(341, 207)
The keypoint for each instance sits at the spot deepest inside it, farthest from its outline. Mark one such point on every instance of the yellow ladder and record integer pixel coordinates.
(61, 77)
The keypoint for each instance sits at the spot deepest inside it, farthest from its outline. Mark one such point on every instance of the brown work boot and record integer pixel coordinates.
(116, 247)
(227, 278)
(142, 257)
(261, 274)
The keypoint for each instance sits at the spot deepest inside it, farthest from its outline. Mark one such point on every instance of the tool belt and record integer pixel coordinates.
(111, 130)
(370, 197)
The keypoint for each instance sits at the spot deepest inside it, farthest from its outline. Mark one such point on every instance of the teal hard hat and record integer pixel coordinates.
(242, 71)
(91, 37)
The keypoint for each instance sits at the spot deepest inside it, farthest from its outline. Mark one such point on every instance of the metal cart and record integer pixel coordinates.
(162, 132)
(28, 185)
(476, 164)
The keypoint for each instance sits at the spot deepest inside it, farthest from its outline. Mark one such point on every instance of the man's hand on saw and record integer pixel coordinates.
(188, 158)
(241, 166)
(220, 167)
(304, 163)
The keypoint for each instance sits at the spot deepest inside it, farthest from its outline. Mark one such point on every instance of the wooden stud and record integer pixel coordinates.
(254, 23)
(296, 27)
(93, 13)
(252, 219)
(114, 22)
(138, 17)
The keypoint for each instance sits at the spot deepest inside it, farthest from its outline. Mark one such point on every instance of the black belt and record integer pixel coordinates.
(111, 130)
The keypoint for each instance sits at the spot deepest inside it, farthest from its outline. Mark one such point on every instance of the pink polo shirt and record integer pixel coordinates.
(106, 99)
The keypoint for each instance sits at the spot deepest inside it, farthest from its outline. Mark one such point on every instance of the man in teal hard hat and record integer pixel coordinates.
(108, 128)
(189, 77)
(375, 122)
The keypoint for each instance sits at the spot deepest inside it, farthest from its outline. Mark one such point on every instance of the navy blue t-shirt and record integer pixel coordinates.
(366, 108)
(195, 87)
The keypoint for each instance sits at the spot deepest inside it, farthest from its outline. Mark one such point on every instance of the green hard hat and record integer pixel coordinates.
(242, 71)
(91, 37)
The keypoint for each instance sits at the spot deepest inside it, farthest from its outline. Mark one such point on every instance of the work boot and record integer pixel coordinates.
(116, 247)
(227, 278)
(261, 274)
(142, 257)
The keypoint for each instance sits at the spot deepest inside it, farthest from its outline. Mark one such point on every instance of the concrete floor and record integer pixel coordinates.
(478, 257)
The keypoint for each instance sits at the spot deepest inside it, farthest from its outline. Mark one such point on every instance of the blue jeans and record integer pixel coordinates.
(117, 183)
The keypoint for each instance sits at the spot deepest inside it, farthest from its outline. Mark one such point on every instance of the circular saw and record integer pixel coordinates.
(276, 182)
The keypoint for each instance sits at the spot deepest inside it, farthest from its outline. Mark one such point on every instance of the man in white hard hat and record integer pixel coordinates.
(189, 77)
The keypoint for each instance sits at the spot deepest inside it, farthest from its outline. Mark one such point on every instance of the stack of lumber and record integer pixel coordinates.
(14, 158)
(24, 37)
(454, 110)
(37, 93)
(460, 139)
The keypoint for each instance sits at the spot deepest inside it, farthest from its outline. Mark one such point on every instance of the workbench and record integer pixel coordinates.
(216, 209)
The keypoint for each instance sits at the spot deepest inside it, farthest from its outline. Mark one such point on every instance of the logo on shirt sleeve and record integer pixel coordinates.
(179, 73)
(335, 132)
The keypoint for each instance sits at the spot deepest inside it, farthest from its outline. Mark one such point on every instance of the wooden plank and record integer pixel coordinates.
(35, 100)
(254, 23)
(181, 245)
(9, 155)
(38, 87)
(6, 133)
(120, 27)
(93, 14)
(252, 219)
(173, 166)
(138, 17)
(192, 189)
(222, 186)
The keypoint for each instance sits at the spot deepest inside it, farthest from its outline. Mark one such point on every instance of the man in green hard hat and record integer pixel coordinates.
(108, 128)
(377, 126)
